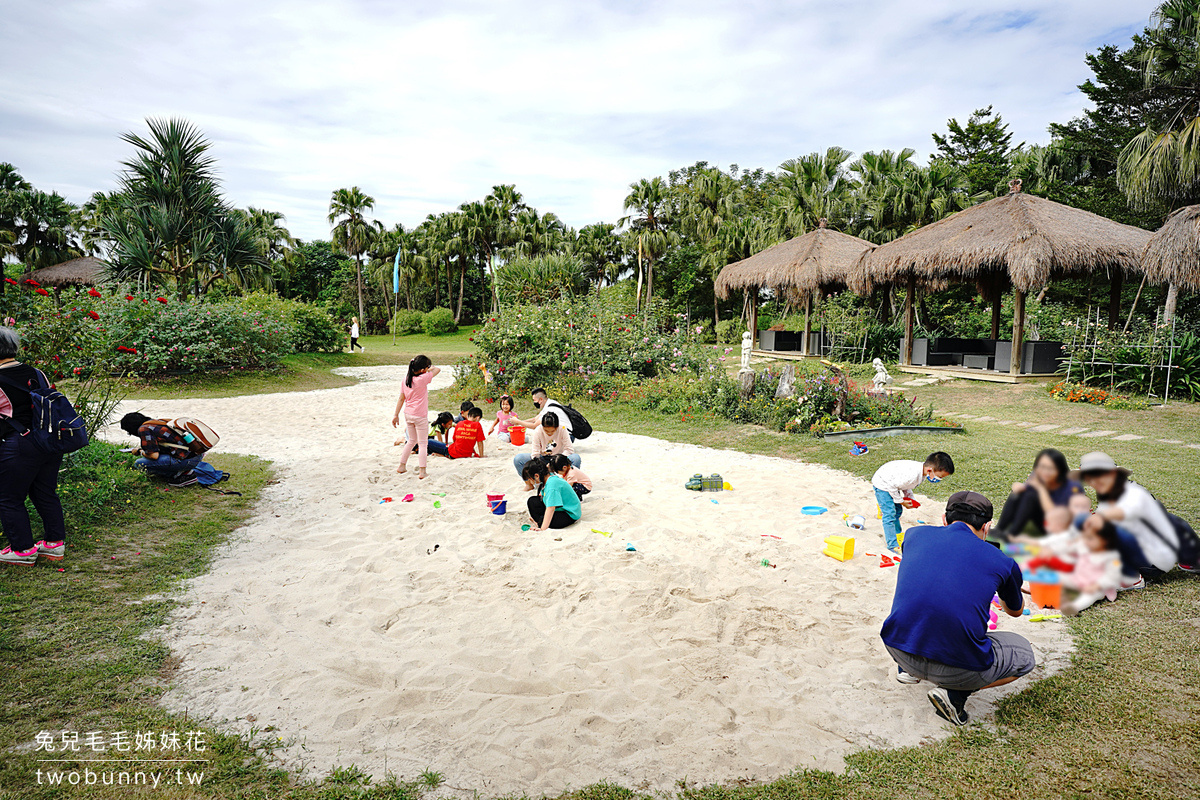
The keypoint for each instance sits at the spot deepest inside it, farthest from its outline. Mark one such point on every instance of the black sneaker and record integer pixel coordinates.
(946, 706)
(186, 479)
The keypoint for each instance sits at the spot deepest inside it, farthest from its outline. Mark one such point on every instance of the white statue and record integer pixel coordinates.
(747, 346)
(882, 378)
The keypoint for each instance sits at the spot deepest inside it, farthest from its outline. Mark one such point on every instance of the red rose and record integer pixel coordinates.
(162, 300)
(42, 292)
(128, 297)
(93, 292)
(144, 300)
(32, 282)
(10, 280)
(93, 315)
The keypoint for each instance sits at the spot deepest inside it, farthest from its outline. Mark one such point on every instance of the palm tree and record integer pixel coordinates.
(352, 234)
(650, 202)
(711, 201)
(1161, 165)
(169, 223)
(45, 232)
(811, 188)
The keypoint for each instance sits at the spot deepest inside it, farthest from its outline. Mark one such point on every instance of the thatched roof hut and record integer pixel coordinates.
(817, 260)
(1172, 255)
(1018, 241)
(86, 271)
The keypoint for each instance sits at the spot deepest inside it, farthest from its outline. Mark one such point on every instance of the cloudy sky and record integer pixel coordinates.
(427, 104)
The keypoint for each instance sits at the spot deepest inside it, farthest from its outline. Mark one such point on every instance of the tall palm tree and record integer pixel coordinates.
(649, 200)
(1161, 165)
(711, 200)
(45, 231)
(352, 234)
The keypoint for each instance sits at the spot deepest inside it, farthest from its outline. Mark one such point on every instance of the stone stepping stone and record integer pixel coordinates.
(966, 416)
(1006, 422)
(1095, 434)
(1127, 437)
(1044, 428)
(1072, 431)
(1024, 424)
(1171, 441)
(985, 419)
(1194, 446)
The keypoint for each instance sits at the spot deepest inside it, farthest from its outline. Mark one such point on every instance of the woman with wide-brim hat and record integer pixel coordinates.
(1135, 512)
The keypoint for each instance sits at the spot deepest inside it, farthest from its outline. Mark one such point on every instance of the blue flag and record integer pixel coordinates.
(396, 274)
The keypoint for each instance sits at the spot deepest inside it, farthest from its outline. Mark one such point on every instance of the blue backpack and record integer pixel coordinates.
(57, 426)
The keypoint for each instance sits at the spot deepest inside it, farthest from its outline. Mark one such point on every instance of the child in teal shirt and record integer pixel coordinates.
(556, 505)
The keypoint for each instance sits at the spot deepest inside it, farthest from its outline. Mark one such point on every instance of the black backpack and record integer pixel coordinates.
(1188, 552)
(580, 427)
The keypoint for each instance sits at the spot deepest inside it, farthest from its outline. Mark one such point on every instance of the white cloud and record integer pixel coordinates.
(427, 105)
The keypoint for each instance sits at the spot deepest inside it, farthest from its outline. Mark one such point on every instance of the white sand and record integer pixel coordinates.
(513, 662)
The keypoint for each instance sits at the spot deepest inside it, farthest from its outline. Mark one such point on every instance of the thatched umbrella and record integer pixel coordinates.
(817, 261)
(1018, 241)
(1172, 255)
(86, 271)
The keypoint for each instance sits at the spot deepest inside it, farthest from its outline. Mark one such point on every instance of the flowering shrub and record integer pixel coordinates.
(310, 329)
(439, 322)
(1079, 393)
(589, 339)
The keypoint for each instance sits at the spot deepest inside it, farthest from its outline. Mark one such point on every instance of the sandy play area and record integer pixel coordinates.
(401, 637)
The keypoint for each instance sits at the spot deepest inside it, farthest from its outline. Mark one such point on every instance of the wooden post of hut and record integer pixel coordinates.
(1114, 299)
(753, 318)
(996, 317)
(909, 320)
(1018, 338)
(807, 322)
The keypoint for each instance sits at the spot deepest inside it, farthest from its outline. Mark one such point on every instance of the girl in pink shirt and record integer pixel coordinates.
(504, 418)
(414, 402)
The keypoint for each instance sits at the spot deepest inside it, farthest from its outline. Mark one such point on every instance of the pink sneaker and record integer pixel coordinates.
(51, 550)
(25, 559)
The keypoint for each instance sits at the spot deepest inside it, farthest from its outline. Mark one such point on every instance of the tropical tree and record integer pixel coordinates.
(811, 188)
(1161, 165)
(169, 224)
(598, 248)
(541, 279)
(649, 229)
(352, 233)
(44, 229)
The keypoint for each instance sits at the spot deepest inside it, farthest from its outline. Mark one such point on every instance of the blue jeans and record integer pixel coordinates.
(1133, 560)
(166, 465)
(521, 459)
(891, 517)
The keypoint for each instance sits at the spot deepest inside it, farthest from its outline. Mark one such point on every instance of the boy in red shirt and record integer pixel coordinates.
(468, 436)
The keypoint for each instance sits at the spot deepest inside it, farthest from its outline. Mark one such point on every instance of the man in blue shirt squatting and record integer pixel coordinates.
(937, 630)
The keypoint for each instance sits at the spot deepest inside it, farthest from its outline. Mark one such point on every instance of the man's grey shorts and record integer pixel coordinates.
(1013, 656)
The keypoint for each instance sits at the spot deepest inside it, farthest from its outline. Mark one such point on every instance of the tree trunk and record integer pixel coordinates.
(1114, 299)
(1018, 333)
(1172, 300)
(649, 283)
(752, 293)
(462, 279)
(362, 318)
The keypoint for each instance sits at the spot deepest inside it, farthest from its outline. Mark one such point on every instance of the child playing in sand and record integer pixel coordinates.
(463, 408)
(581, 483)
(894, 483)
(504, 419)
(555, 505)
(414, 403)
(549, 438)
(468, 436)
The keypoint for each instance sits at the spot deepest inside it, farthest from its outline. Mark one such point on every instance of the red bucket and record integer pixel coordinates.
(516, 435)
